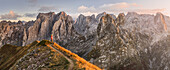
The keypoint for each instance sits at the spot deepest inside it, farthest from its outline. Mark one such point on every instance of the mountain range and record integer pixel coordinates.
(126, 42)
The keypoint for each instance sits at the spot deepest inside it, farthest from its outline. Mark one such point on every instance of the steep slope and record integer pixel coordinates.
(153, 26)
(41, 55)
(9, 54)
(85, 25)
(84, 30)
(42, 27)
(21, 34)
(113, 46)
(60, 25)
(11, 33)
(128, 42)
(70, 61)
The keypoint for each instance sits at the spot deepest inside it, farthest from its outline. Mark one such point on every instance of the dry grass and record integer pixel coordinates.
(9, 54)
(82, 63)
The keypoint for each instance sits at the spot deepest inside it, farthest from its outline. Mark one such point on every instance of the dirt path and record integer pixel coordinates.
(71, 62)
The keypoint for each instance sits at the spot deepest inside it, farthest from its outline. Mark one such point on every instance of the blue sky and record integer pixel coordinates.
(15, 10)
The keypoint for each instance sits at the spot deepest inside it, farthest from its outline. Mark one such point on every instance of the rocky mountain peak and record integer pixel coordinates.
(106, 24)
(63, 16)
(121, 15)
(93, 16)
(100, 15)
(107, 19)
(123, 42)
(132, 13)
(81, 16)
(104, 13)
(120, 19)
(85, 24)
(40, 15)
(62, 13)
(160, 19)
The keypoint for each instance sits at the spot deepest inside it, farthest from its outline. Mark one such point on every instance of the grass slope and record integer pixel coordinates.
(9, 54)
(38, 56)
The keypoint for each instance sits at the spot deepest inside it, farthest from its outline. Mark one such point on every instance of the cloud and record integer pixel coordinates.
(86, 9)
(11, 15)
(30, 14)
(108, 7)
(119, 5)
(117, 8)
(149, 11)
(89, 13)
(47, 8)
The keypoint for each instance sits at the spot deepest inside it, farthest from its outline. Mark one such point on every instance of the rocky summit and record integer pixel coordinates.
(126, 42)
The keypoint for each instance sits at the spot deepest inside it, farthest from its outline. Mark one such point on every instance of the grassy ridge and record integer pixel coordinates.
(9, 54)
(82, 63)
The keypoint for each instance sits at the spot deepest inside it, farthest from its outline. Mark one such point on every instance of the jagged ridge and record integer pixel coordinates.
(127, 37)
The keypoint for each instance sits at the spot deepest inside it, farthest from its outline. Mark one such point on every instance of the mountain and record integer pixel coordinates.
(13, 32)
(126, 42)
(132, 42)
(41, 55)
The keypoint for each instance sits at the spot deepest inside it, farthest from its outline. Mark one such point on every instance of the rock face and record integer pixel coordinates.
(113, 45)
(59, 25)
(12, 33)
(98, 17)
(131, 41)
(126, 42)
(42, 27)
(84, 35)
(86, 25)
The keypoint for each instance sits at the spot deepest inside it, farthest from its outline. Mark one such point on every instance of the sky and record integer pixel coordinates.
(27, 10)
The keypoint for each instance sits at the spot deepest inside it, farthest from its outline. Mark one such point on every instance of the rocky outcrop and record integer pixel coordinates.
(84, 30)
(42, 27)
(59, 25)
(113, 46)
(11, 33)
(120, 19)
(133, 41)
(130, 41)
(85, 25)
(153, 26)
(62, 28)
(98, 17)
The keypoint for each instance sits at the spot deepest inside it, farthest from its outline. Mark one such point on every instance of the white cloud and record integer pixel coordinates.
(117, 8)
(75, 16)
(149, 11)
(82, 8)
(10, 15)
(86, 9)
(119, 5)
(89, 13)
